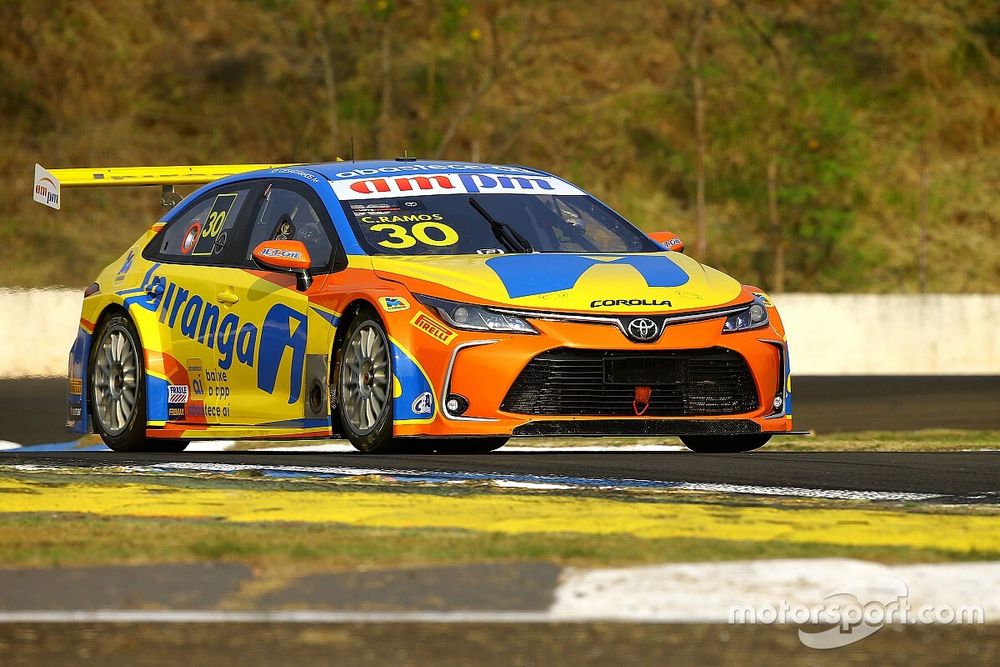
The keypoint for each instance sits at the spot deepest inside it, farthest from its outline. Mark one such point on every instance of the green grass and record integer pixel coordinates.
(931, 440)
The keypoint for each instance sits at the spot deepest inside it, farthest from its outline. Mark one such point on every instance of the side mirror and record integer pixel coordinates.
(668, 240)
(287, 257)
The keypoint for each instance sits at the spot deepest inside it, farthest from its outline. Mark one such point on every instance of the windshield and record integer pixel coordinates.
(483, 223)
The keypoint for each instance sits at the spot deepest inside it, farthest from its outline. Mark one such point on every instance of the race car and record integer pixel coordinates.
(412, 305)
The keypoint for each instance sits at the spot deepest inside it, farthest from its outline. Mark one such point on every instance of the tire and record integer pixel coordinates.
(724, 444)
(468, 445)
(117, 386)
(364, 385)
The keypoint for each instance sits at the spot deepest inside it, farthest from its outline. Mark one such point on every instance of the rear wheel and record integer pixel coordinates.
(364, 385)
(117, 381)
(724, 444)
(118, 390)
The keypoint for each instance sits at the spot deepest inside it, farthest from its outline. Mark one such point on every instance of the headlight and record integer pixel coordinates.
(752, 318)
(475, 318)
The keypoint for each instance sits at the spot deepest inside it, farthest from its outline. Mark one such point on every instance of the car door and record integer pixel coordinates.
(287, 384)
(194, 292)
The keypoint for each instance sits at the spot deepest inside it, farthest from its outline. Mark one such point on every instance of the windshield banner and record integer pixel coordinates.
(450, 184)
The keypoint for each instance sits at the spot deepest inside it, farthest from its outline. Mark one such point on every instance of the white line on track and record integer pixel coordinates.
(667, 593)
(706, 592)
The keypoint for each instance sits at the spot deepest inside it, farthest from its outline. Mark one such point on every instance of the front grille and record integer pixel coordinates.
(637, 427)
(567, 382)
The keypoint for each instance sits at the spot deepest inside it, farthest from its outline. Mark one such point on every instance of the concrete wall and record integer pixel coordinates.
(843, 334)
(892, 334)
(37, 328)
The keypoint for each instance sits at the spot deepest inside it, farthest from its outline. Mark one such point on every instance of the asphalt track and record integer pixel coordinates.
(34, 409)
(962, 475)
(34, 413)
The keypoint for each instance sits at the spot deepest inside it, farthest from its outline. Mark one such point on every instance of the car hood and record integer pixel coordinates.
(605, 283)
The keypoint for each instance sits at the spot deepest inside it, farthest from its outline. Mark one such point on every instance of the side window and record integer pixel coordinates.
(201, 233)
(287, 215)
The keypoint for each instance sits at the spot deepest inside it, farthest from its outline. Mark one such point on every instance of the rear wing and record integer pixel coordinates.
(49, 182)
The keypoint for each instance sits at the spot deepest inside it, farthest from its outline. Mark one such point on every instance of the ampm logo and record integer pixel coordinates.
(440, 184)
(529, 275)
(46, 188)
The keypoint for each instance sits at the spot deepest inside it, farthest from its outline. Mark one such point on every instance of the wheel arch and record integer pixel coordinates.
(153, 345)
(347, 315)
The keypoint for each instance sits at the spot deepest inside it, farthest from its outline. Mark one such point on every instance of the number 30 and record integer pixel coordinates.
(214, 225)
(399, 238)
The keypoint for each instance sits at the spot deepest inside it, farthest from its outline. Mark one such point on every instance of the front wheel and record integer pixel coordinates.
(364, 385)
(724, 444)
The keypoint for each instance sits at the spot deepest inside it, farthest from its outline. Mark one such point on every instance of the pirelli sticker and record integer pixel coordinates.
(433, 328)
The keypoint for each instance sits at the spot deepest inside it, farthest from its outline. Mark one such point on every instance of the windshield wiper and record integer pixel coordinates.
(505, 234)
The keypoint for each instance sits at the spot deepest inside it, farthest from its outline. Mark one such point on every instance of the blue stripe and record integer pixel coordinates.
(329, 317)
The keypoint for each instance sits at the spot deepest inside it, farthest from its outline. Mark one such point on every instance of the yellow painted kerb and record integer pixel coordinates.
(515, 513)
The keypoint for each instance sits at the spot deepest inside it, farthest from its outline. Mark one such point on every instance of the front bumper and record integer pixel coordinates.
(483, 367)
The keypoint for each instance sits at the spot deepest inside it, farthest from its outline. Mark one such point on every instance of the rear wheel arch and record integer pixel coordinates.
(134, 439)
(106, 313)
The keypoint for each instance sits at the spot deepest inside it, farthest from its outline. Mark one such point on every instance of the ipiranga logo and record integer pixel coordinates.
(261, 345)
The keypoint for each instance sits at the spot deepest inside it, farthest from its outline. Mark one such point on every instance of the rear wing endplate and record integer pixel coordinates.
(49, 183)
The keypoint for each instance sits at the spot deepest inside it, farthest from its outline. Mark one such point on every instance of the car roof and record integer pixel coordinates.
(345, 170)
(361, 168)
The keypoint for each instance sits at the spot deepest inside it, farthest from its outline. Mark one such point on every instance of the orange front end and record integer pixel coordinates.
(693, 380)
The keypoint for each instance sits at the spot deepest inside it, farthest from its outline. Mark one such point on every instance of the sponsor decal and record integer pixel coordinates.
(410, 168)
(46, 188)
(197, 410)
(394, 304)
(433, 328)
(412, 217)
(765, 298)
(196, 378)
(262, 345)
(177, 398)
(177, 393)
(75, 386)
(423, 404)
(279, 252)
(297, 172)
(190, 238)
(604, 303)
(126, 265)
(437, 184)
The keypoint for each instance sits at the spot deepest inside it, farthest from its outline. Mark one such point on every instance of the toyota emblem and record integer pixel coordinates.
(643, 330)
